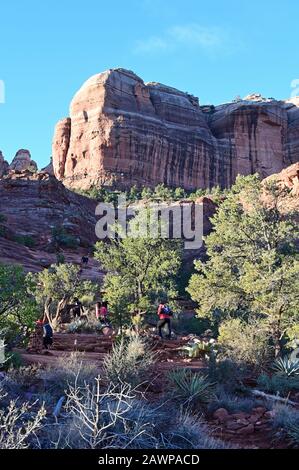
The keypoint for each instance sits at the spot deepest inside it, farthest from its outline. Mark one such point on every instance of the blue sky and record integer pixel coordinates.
(215, 50)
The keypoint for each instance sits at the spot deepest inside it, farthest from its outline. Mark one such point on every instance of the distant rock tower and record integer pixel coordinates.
(4, 166)
(22, 162)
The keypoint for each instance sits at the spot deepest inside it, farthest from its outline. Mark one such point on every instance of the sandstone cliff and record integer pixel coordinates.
(124, 131)
(21, 162)
(4, 166)
(31, 206)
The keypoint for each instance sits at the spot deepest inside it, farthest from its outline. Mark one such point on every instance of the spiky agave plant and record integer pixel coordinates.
(293, 433)
(191, 386)
(286, 366)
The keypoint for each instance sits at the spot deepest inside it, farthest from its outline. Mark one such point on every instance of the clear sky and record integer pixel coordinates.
(214, 49)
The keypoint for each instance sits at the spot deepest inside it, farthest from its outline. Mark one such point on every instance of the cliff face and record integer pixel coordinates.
(4, 166)
(21, 162)
(32, 205)
(124, 131)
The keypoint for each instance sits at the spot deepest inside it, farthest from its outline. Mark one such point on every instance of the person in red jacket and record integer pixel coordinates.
(102, 312)
(165, 314)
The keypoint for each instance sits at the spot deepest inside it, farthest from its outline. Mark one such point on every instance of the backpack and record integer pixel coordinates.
(167, 310)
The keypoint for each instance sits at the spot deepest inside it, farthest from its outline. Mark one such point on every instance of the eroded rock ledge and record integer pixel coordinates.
(124, 131)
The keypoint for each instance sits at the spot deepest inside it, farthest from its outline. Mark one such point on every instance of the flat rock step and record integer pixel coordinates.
(50, 359)
(82, 342)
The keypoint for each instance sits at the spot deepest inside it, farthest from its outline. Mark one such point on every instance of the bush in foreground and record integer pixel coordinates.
(130, 361)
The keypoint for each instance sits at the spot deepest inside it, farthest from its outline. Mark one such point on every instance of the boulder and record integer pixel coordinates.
(246, 430)
(221, 415)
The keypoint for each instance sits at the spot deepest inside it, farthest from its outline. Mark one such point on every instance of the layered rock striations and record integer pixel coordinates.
(123, 131)
(32, 206)
(21, 162)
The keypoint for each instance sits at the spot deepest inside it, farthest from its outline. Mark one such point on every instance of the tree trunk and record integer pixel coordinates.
(276, 340)
(47, 313)
(57, 318)
(277, 345)
(277, 335)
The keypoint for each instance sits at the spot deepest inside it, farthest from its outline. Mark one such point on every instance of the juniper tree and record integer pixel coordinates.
(55, 287)
(253, 266)
(139, 270)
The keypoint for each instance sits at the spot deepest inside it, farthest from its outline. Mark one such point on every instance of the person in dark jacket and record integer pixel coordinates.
(47, 334)
(165, 314)
(77, 308)
(84, 261)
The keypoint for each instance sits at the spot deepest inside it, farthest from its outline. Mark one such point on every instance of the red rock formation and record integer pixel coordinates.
(288, 178)
(32, 204)
(124, 131)
(22, 162)
(3, 165)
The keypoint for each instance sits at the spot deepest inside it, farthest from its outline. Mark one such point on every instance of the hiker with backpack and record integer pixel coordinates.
(77, 308)
(165, 314)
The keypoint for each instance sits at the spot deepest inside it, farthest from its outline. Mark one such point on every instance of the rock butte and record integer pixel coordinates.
(21, 162)
(124, 131)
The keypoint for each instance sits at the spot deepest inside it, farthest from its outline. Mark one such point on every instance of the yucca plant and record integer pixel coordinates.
(286, 366)
(191, 387)
(293, 433)
(199, 348)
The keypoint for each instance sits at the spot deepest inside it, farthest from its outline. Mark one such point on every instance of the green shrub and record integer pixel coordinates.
(2, 218)
(18, 380)
(130, 361)
(194, 325)
(191, 387)
(227, 373)
(281, 384)
(13, 360)
(60, 258)
(286, 421)
(244, 342)
(84, 326)
(61, 238)
(233, 403)
(25, 240)
(293, 433)
(68, 370)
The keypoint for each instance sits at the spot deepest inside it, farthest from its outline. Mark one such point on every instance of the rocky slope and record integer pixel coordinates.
(31, 206)
(124, 131)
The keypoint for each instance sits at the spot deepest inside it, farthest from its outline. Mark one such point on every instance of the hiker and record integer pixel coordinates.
(77, 309)
(165, 314)
(84, 261)
(47, 334)
(102, 312)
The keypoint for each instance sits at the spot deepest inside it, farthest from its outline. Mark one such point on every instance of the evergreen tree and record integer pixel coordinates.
(253, 266)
